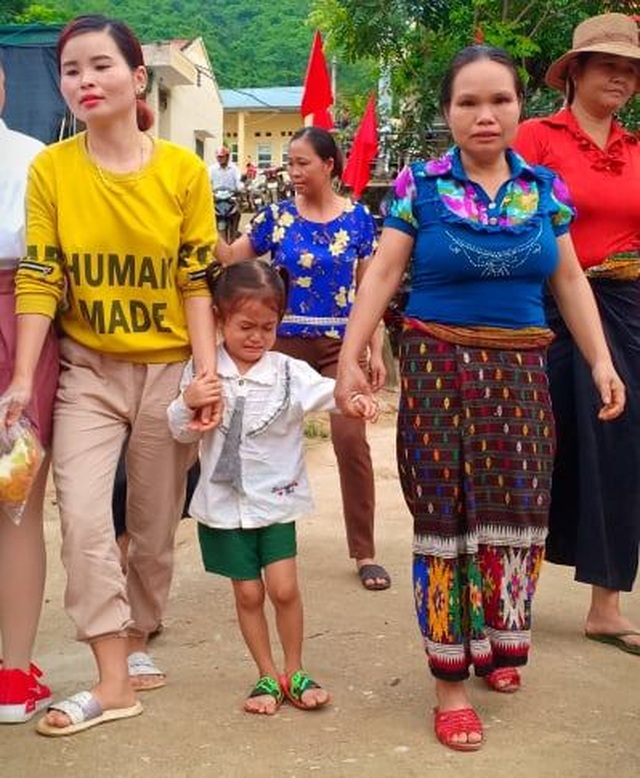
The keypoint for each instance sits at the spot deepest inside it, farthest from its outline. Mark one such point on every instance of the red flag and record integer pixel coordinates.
(317, 96)
(363, 151)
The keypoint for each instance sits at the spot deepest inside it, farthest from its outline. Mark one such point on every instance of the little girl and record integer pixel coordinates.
(253, 484)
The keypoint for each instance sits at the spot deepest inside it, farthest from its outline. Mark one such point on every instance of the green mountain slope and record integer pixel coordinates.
(250, 42)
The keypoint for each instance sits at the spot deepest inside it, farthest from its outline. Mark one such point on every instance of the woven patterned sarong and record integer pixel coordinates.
(475, 452)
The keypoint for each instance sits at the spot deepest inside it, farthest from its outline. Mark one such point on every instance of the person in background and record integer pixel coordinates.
(475, 442)
(595, 507)
(254, 486)
(118, 251)
(325, 242)
(22, 549)
(225, 176)
(250, 170)
(224, 173)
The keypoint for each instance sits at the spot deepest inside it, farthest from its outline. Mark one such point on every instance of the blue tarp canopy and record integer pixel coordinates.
(33, 102)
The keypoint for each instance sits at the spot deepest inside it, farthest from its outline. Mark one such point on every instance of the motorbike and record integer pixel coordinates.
(227, 208)
(286, 189)
(273, 183)
(256, 193)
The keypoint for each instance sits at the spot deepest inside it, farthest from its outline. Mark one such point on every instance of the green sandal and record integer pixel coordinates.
(295, 685)
(267, 686)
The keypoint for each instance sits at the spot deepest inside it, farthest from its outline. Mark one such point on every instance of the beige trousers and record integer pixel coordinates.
(99, 400)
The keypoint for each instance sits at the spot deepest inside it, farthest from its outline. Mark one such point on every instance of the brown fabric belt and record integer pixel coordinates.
(484, 337)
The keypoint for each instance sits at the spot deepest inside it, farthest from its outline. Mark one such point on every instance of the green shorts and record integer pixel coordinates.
(241, 554)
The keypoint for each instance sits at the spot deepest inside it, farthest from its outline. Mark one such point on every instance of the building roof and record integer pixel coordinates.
(28, 35)
(262, 98)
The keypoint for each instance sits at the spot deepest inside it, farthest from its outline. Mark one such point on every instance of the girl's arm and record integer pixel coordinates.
(378, 286)
(580, 313)
(181, 418)
(196, 392)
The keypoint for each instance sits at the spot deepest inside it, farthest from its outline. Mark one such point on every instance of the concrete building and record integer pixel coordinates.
(258, 123)
(184, 95)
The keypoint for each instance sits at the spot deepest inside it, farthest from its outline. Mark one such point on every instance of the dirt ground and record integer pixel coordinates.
(578, 714)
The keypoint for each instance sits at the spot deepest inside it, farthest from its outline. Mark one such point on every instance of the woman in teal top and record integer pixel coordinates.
(480, 232)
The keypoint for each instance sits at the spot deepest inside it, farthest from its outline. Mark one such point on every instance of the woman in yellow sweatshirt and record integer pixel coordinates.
(120, 228)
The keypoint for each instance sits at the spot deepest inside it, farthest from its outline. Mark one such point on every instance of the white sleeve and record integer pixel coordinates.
(309, 389)
(179, 415)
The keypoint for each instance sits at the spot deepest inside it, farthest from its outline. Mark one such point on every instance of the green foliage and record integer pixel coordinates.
(416, 40)
(250, 42)
(42, 14)
(316, 428)
(10, 10)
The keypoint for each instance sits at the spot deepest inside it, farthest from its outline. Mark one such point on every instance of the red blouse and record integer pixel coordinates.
(604, 183)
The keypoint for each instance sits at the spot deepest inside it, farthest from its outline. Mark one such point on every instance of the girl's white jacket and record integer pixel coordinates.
(278, 391)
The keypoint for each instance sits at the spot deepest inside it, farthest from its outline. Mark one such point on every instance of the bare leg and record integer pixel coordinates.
(113, 688)
(22, 576)
(604, 616)
(453, 696)
(249, 597)
(282, 587)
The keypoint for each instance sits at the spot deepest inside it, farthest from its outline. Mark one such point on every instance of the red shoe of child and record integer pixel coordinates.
(21, 695)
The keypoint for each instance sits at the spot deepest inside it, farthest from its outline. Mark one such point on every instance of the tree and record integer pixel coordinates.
(250, 42)
(11, 10)
(416, 40)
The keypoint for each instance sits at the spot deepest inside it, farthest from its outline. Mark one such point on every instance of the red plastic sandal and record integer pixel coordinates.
(452, 723)
(504, 679)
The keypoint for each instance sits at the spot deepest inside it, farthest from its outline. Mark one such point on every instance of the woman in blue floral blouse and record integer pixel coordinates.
(324, 240)
(481, 232)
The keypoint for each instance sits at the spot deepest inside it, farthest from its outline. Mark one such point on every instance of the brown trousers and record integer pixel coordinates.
(350, 445)
(99, 400)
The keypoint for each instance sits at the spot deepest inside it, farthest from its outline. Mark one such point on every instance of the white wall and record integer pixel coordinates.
(192, 108)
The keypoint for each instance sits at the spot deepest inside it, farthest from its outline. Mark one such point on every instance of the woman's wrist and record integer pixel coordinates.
(188, 402)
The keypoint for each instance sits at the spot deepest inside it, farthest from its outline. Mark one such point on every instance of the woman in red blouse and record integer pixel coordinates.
(595, 511)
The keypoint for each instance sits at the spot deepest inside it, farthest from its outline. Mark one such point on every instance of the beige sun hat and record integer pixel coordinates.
(605, 34)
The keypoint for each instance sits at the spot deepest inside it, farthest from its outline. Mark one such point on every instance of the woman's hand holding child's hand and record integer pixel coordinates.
(204, 395)
(364, 405)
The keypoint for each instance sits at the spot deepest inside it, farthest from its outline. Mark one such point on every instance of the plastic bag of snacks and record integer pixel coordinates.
(21, 455)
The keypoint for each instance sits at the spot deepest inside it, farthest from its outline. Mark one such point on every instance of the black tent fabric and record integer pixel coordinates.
(33, 102)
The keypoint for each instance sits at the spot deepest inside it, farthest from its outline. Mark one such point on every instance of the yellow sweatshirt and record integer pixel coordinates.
(117, 254)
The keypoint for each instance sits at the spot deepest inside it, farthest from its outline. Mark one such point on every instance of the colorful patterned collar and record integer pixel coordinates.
(450, 164)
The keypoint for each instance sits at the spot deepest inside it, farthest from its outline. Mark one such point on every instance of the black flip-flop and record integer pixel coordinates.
(370, 573)
(616, 639)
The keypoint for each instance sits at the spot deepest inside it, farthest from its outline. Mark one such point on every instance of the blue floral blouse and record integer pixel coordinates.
(477, 261)
(321, 260)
